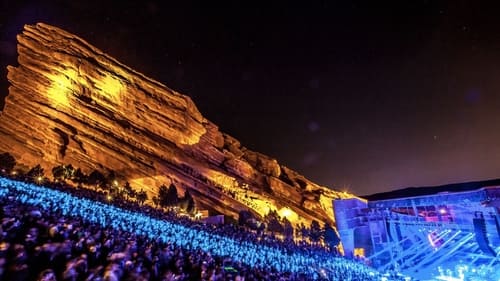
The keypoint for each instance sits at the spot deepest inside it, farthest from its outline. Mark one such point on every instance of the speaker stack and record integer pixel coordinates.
(481, 237)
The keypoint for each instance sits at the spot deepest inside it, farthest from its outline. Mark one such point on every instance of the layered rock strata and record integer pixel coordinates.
(70, 103)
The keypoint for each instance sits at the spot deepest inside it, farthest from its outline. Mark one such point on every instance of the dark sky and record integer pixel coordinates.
(364, 96)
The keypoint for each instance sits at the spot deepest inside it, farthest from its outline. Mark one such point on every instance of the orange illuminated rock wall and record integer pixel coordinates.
(69, 103)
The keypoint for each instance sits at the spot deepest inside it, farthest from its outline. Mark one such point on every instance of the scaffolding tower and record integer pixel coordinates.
(425, 235)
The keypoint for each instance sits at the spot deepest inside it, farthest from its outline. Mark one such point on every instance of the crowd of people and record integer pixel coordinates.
(462, 271)
(48, 234)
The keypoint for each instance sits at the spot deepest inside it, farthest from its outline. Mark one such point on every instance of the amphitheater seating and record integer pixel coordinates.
(91, 240)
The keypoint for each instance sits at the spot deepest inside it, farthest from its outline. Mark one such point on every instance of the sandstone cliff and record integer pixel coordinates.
(69, 103)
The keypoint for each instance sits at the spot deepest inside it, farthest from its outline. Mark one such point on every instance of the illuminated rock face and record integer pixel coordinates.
(69, 103)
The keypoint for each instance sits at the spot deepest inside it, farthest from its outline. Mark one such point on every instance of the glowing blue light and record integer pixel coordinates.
(189, 238)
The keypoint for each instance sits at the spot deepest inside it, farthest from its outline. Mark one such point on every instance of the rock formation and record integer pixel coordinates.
(70, 103)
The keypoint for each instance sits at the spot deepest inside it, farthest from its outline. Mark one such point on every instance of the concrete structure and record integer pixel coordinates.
(424, 235)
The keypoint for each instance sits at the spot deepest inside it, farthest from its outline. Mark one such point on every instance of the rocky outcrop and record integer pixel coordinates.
(69, 103)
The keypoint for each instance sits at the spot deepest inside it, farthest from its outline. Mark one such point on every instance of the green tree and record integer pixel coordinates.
(79, 177)
(70, 171)
(172, 195)
(168, 196)
(156, 201)
(133, 194)
(58, 172)
(36, 174)
(287, 229)
(274, 226)
(330, 236)
(162, 195)
(303, 231)
(188, 203)
(142, 196)
(273, 222)
(111, 180)
(315, 232)
(244, 217)
(7, 162)
(63, 172)
(96, 178)
(127, 189)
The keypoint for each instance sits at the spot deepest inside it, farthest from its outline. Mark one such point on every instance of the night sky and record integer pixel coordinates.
(360, 96)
